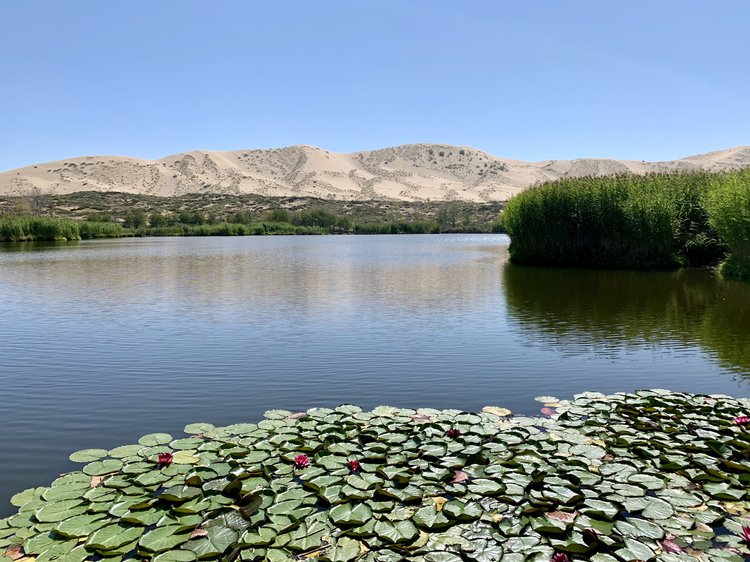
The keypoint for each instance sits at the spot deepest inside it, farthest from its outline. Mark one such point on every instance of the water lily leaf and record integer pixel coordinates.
(575, 543)
(198, 428)
(497, 411)
(485, 487)
(600, 508)
(97, 468)
(196, 505)
(176, 556)
(276, 414)
(443, 556)
(56, 550)
(26, 496)
(162, 539)
(635, 550)
(302, 539)
(77, 554)
(487, 550)
(185, 457)
(430, 518)
(39, 543)
(658, 509)
(276, 555)
(88, 455)
(639, 528)
(112, 537)
(601, 557)
(155, 439)
(262, 536)
(214, 543)
(80, 525)
(462, 511)
(143, 517)
(344, 550)
(57, 511)
(126, 451)
(396, 531)
(180, 493)
(350, 514)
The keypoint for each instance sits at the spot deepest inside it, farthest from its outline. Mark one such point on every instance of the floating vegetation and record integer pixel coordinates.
(653, 475)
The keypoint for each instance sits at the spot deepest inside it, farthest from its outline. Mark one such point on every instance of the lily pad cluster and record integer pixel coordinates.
(652, 475)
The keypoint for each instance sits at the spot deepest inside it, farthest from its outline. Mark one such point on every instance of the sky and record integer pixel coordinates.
(526, 79)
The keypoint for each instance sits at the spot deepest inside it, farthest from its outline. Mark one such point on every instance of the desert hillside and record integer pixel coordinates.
(416, 172)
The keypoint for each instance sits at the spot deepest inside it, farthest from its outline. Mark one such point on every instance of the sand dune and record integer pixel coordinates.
(410, 172)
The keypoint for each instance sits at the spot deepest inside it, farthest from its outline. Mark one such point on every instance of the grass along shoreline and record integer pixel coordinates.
(24, 228)
(140, 212)
(651, 475)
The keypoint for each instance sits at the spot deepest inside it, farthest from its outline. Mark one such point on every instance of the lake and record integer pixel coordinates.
(104, 341)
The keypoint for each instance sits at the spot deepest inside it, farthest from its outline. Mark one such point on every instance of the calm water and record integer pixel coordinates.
(104, 341)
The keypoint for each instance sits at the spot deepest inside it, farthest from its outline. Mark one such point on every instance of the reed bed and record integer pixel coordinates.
(728, 207)
(30, 228)
(399, 227)
(626, 221)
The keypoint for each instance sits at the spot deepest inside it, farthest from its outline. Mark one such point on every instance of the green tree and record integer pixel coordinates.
(135, 219)
(278, 215)
(157, 220)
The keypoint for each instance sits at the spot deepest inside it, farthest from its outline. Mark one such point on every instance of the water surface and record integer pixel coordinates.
(104, 341)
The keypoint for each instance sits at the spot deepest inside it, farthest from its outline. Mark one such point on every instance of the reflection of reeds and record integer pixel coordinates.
(653, 221)
(25, 228)
(604, 307)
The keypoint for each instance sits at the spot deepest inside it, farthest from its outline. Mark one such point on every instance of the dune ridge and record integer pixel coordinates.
(414, 172)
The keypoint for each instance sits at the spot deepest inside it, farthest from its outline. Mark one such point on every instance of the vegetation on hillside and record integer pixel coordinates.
(93, 215)
(195, 208)
(655, 221)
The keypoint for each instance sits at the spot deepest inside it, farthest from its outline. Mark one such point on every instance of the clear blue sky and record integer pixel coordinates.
(524, 79)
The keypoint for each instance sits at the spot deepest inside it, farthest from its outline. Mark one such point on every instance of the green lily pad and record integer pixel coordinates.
(163, 539)
(89, 455)
(112, 537)
(155, 439)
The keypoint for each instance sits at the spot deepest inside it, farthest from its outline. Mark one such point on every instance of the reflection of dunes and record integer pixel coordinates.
(612, 307)
(256, 276)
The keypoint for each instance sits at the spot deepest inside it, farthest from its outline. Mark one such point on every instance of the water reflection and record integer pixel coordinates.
(574, 308)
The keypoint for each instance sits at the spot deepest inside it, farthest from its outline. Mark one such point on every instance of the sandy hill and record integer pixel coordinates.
(409, 172)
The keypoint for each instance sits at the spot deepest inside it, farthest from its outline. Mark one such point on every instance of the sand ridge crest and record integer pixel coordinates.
(412, 172)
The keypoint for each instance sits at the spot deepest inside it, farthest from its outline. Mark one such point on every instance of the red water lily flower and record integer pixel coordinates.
(668, 545)
(560, 557)
(746, 535)
(355, 465)
(301, 461)
(165, 459)
(453, 433)
(741, 420)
